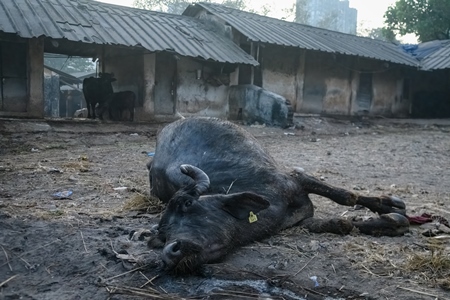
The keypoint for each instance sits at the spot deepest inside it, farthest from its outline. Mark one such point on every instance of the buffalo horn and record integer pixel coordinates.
(200, 177)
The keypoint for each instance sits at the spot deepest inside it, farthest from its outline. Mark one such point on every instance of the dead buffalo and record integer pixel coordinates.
(223, 190)
(97, 92)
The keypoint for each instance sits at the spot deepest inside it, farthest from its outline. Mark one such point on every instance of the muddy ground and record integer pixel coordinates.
(79, 247)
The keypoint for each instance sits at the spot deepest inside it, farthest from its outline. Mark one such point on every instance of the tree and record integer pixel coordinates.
(428, 19)
(302, 13)
(178, 6)
(238, 4)
(379, 33)
(289, 13)
(69, 64)
(169, 6)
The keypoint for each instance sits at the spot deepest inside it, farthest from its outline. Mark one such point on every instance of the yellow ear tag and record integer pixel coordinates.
(252, 218)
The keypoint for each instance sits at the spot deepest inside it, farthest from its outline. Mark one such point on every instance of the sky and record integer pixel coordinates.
(370, 13)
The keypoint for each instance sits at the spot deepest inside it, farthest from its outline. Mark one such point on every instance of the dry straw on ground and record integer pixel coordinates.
(431, 266)
(141, 202)
(80, 164)
(428, 263)
(376, 259)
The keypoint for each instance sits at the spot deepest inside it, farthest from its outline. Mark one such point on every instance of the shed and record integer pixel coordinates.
(156, 55)
(431, 86)
(320, 71)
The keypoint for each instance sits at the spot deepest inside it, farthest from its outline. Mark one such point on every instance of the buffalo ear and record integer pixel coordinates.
(239, 205)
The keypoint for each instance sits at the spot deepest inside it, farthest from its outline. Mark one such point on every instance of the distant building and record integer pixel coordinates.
(330, 14)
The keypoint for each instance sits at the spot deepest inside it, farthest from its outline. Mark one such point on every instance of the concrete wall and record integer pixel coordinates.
(279, 69)
(205, 96)
(327, 86)
(338, 87)
(386, 95)
(324, 83)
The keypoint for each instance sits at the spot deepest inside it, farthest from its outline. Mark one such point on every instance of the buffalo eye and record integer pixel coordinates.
(187, 204)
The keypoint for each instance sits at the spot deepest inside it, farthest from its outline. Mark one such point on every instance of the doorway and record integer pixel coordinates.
(364, 96)
(13, 77)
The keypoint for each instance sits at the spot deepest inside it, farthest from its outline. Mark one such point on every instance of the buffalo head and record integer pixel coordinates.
(196, 229)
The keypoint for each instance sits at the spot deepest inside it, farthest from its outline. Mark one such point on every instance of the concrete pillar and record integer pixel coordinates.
(35, 106)
(147, 111)
(299, 81)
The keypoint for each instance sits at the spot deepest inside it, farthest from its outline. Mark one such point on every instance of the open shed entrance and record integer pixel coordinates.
(13, 77)
(63, 83)
(434, 104)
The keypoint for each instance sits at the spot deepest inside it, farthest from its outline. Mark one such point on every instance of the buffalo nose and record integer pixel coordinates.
(171, 252)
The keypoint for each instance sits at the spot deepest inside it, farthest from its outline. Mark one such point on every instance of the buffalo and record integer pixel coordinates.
(98, 92)
(121, 102)
(223, 190)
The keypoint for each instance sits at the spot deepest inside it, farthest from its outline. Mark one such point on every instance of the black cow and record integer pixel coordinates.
(224, 190)
(97, 92)
(120, 102)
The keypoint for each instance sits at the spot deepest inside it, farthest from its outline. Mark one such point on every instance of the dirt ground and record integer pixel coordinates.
(79, 246)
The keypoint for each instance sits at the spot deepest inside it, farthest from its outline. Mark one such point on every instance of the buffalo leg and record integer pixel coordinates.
(132, 114)
(334, 225)
(88, 106)
(380, 205)
(101, 108)
(391, 224)
(112, 114)
(93, 111)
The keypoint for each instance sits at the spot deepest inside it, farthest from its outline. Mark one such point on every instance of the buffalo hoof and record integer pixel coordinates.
(392, 224)
(383, 205)
(392, 204)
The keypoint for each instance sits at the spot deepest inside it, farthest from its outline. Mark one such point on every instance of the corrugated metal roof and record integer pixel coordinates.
(66, 77)
(264, 29)
(95, 22)
(437, 60)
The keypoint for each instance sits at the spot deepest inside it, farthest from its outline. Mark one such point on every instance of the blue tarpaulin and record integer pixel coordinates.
(425, 49)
